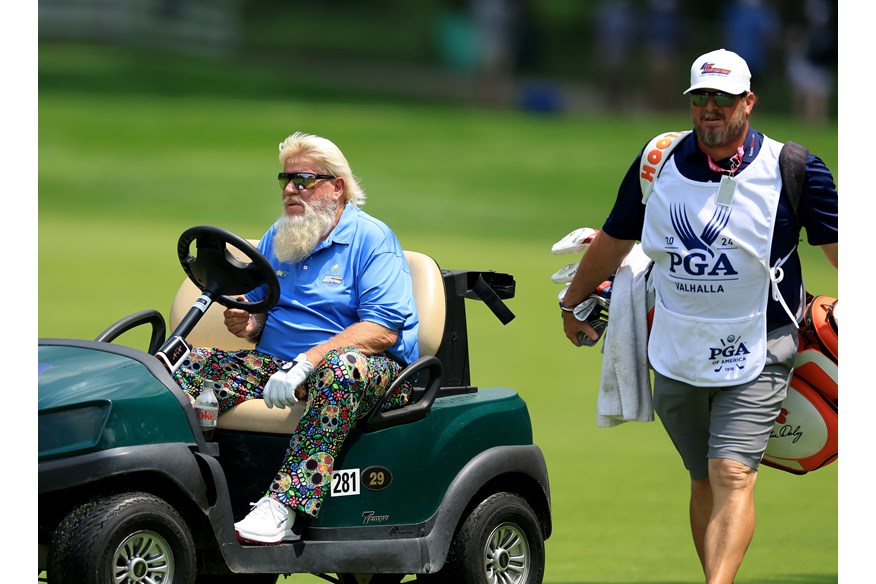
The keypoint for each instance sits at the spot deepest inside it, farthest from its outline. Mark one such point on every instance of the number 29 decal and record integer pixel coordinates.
(348, 481)
(376, 478)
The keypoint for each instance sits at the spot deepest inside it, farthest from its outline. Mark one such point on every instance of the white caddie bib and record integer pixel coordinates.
(711, 243)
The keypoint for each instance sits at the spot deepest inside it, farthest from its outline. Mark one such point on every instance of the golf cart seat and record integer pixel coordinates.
(253, 415)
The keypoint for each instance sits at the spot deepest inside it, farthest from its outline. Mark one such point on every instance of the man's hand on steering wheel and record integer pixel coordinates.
(241, 323)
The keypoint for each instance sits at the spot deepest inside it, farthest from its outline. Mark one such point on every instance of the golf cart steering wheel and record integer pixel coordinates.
(221, 275)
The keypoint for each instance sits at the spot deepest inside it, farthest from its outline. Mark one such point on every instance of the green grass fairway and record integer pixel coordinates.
(134, 149)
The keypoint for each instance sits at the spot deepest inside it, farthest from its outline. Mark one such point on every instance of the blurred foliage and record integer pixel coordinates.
(303, 37)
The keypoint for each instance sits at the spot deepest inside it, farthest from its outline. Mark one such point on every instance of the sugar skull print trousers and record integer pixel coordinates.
(343, 387)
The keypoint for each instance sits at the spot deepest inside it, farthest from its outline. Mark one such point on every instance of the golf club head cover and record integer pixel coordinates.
(565, 274)
(576, 241)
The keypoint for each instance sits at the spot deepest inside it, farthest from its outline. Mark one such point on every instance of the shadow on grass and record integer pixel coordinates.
(790, 579)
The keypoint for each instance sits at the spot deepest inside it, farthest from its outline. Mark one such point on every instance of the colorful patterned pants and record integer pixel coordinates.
(344, 387)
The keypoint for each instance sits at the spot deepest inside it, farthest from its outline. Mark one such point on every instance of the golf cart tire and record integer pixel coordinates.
(87, 546)
(500, 541)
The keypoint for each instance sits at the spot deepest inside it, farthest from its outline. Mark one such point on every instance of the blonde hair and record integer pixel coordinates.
(328, 159)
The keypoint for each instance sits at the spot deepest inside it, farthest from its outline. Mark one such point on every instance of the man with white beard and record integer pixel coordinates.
(344, 326)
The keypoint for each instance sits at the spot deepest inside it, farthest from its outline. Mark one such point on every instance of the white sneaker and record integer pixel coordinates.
(269, 522)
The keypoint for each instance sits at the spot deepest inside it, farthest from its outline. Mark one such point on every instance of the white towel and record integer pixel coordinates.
(625, 382)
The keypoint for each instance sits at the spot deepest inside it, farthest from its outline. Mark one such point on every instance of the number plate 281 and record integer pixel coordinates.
(345, 482)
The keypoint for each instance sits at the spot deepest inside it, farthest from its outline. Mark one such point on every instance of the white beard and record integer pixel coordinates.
(298, 235)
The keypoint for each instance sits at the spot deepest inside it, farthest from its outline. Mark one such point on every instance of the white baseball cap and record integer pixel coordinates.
(721, 70)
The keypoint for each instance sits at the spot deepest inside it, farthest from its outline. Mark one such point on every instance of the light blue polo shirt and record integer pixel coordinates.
(358, 273)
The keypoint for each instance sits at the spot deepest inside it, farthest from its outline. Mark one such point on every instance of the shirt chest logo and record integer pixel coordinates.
(333, 278)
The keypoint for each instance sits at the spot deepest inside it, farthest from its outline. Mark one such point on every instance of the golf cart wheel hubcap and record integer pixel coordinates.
(502, 559)
(137, 568)
(506, 555)
(143, 556)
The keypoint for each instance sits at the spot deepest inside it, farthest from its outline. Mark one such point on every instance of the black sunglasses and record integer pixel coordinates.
(301, 180)
(701, 98)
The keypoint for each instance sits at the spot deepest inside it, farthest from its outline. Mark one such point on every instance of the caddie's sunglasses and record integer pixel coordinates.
(301, 180)
(701, 98)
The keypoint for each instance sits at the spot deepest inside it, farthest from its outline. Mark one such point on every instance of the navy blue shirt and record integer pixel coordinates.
(818, 210)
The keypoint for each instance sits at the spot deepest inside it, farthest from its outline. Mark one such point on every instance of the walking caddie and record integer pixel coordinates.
(709, 210)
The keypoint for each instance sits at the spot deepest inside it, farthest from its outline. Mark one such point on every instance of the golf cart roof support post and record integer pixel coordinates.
(453, 352)
(459, 285)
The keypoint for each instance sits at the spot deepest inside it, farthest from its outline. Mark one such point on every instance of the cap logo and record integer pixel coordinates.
(710, 69)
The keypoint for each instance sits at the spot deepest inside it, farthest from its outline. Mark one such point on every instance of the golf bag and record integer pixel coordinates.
(804, 437)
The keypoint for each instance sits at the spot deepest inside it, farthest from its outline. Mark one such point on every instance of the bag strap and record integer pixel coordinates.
(654, 156)
(792, 166)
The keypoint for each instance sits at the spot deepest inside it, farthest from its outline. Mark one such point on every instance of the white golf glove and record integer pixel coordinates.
(280, 388)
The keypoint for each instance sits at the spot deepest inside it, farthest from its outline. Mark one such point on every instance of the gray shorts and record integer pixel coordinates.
(727, 422)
